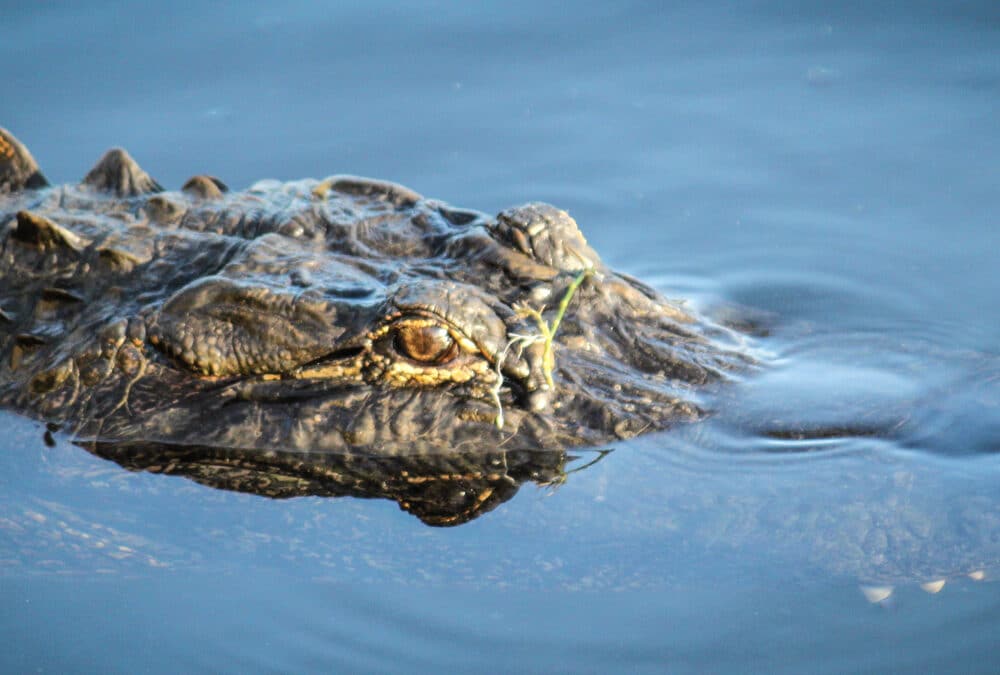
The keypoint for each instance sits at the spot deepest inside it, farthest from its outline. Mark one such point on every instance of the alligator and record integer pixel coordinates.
(343, 314)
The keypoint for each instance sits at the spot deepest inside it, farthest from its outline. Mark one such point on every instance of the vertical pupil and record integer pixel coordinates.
(424, 343)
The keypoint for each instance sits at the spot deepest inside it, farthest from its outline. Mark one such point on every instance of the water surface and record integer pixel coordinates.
(828, 174)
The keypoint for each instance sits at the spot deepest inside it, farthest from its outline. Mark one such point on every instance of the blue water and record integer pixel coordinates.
(832, 171)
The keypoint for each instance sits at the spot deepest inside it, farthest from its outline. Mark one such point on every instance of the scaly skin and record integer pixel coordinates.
(343, 318)
(338, 314)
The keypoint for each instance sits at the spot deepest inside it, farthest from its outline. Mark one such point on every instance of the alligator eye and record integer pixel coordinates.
(426, 344)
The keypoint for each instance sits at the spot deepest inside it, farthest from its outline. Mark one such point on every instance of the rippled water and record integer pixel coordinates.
(828, 175)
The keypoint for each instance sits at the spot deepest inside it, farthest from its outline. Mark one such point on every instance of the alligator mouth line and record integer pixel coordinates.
(340, 364)
(304, 387)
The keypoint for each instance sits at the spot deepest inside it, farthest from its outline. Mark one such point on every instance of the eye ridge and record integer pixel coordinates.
(427, 343)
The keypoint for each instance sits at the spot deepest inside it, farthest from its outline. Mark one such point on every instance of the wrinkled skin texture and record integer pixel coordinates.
(347, 317)
(341, 314)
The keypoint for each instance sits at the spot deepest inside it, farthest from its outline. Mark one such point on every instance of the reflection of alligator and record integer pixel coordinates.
(443, 489)
(339, 315)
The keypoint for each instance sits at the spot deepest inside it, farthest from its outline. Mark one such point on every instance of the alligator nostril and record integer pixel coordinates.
(547, 235)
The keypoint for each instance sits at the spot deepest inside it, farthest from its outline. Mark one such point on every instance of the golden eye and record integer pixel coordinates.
(426, 344)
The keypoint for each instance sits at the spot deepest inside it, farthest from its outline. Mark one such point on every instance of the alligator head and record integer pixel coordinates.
(330, 315)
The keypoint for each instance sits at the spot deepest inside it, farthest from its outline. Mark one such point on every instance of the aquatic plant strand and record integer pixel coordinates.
(546, 334)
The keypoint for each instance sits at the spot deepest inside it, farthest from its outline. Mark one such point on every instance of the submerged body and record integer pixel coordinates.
(338, 315)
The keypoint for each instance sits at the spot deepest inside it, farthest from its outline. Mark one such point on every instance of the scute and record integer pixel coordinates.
(18, 169)
(43, 234)
(204, 187)
(118, 174)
